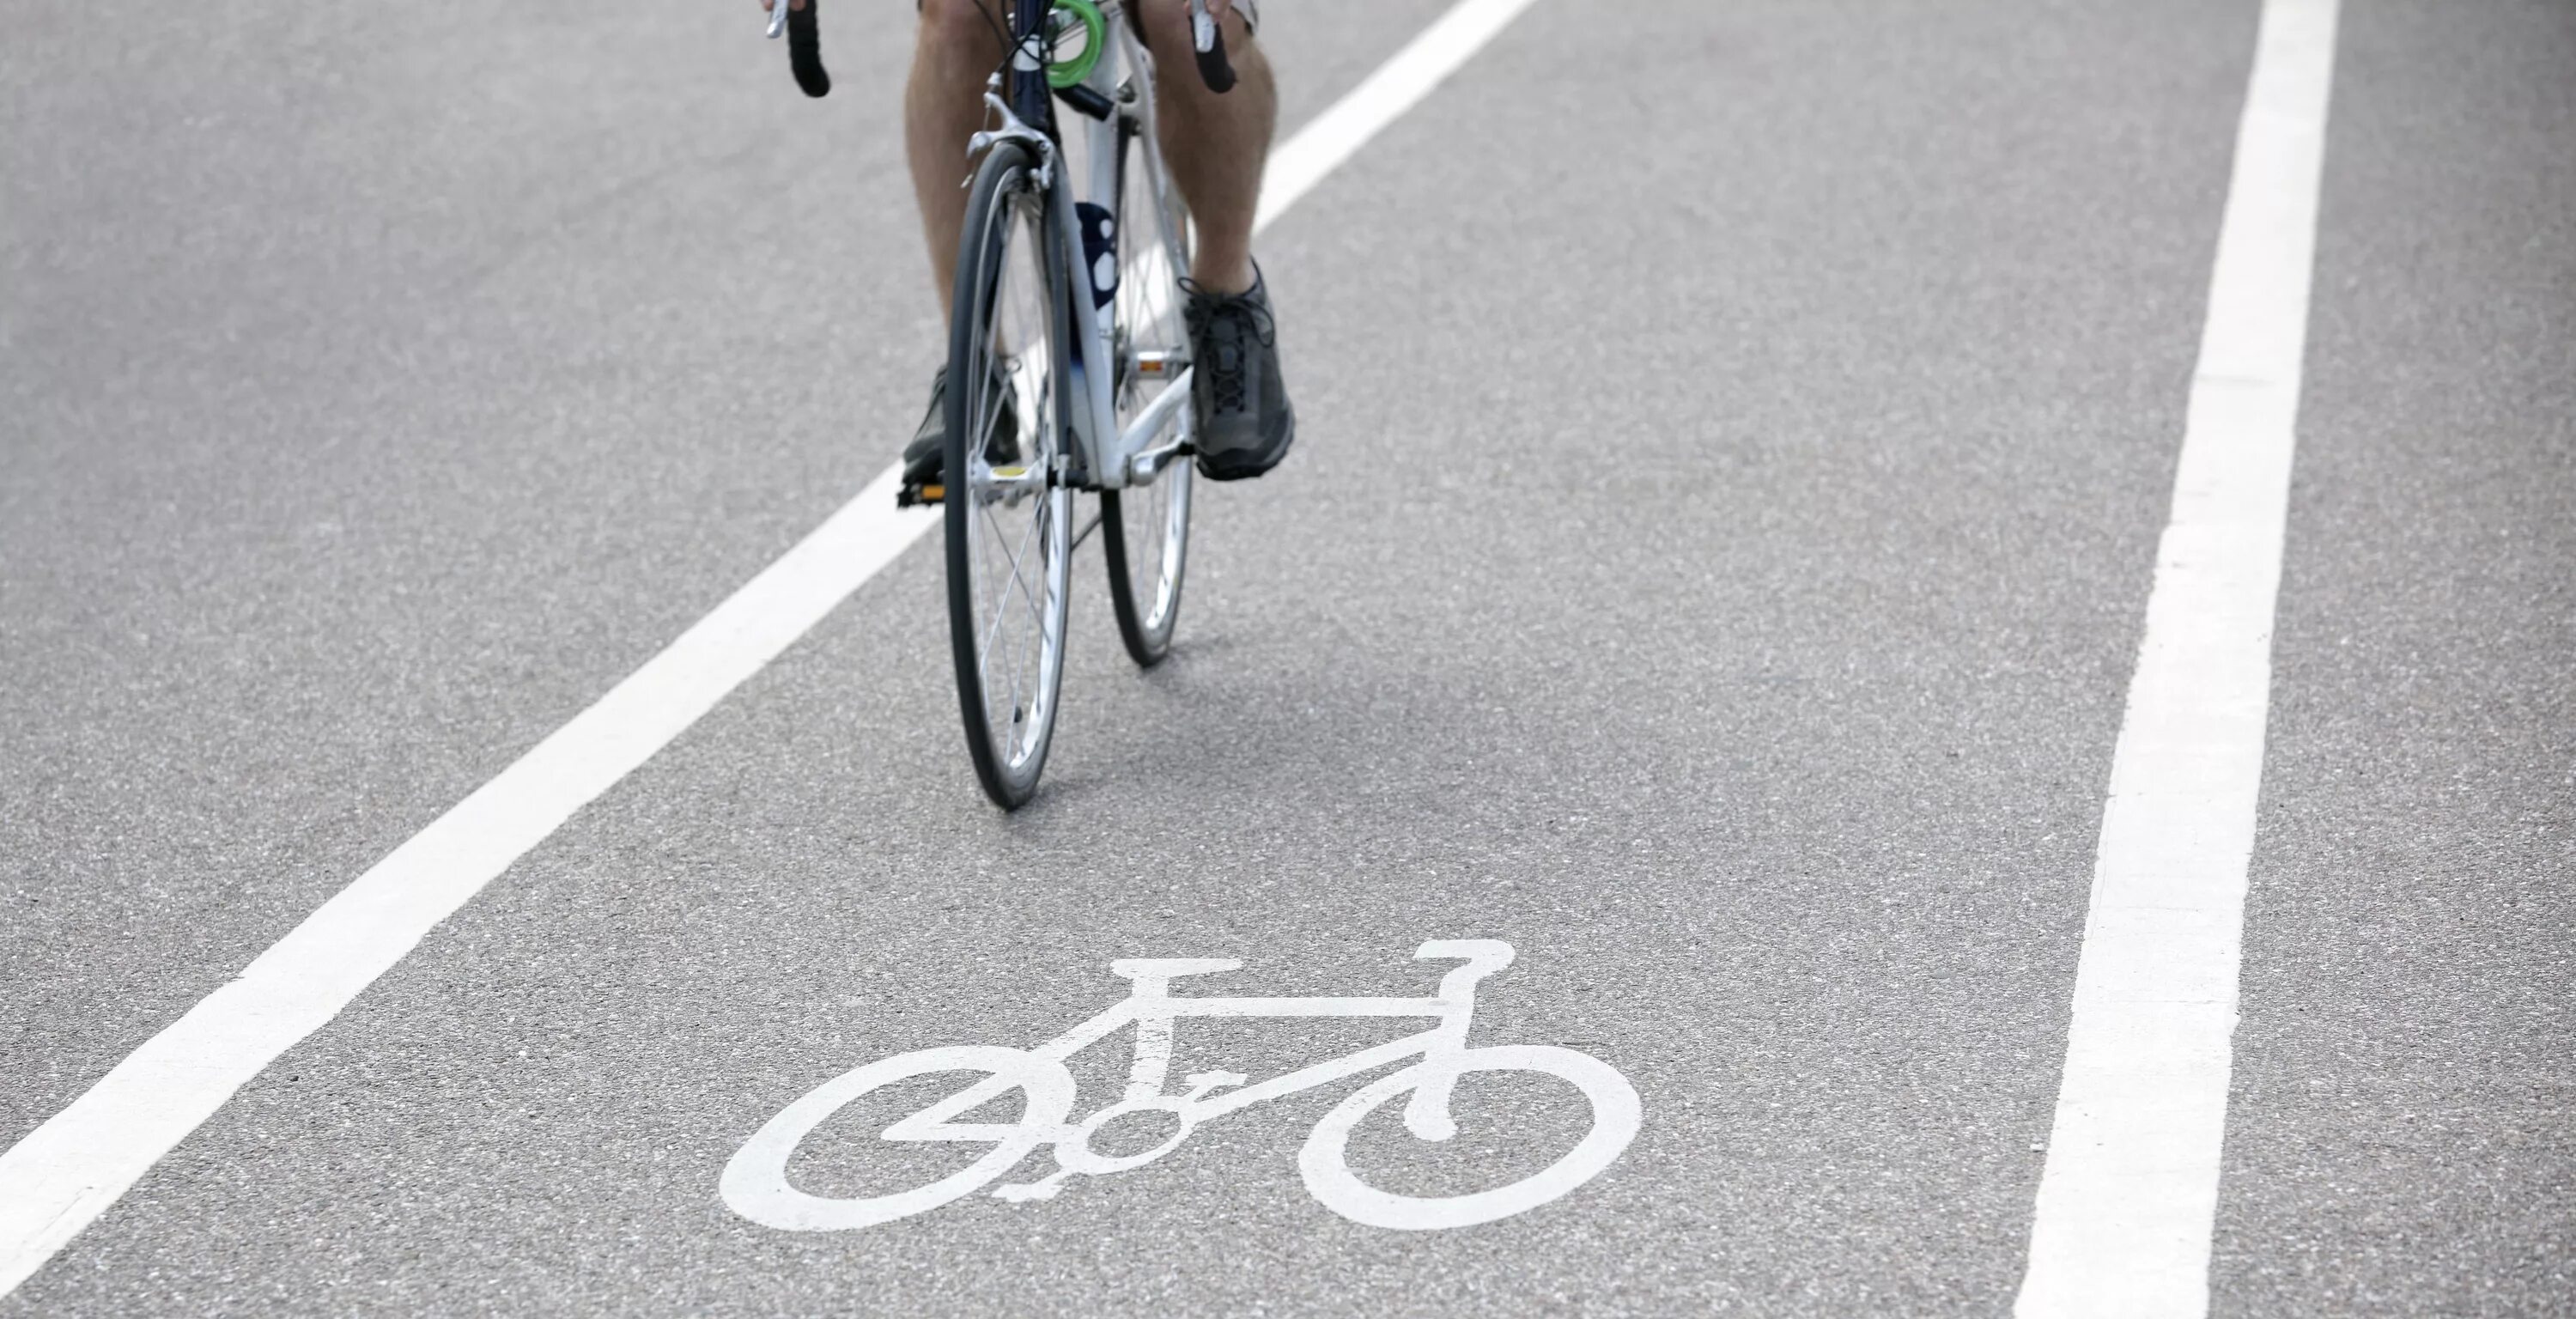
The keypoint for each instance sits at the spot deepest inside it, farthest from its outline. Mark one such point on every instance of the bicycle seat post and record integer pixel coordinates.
(1151, 980)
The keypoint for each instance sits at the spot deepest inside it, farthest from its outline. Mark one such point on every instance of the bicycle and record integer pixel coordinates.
(755, 1184)
(1069, 366)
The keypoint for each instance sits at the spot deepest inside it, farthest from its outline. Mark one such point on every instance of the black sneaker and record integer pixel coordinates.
(1245, 423)
(928, 452)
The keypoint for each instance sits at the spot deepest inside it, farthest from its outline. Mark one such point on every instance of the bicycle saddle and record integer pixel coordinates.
(1171, 968)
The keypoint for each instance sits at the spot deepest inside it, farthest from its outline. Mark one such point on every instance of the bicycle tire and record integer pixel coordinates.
(1006, 324)
(1145, 530)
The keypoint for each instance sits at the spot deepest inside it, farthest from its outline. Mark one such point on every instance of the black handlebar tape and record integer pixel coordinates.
(805, 49)
(1214, 68)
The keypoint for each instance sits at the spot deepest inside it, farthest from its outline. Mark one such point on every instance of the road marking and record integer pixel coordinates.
(755, 1184)
(2129, 1195)
(68, 1171)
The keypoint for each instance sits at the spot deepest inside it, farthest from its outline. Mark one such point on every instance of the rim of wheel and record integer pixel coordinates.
(1014, 511)
(1153, 521)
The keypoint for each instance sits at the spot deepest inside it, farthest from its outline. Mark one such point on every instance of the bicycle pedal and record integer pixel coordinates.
(916, 495)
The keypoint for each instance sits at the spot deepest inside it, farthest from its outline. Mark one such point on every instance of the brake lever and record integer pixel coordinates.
(777, 19)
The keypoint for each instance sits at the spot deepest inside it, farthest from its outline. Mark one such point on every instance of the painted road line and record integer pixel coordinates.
(2130, 1190)
(68, 1171)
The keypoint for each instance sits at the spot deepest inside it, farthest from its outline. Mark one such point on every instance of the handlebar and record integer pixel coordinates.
(805, 46)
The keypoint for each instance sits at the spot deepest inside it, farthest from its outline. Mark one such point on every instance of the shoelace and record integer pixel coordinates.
(1225, 320)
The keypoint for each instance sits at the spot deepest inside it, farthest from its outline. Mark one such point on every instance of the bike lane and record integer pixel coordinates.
(1742, 641)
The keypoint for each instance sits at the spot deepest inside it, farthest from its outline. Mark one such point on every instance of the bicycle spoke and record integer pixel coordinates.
(1001, 614)
(1018, 577)
(984, 650)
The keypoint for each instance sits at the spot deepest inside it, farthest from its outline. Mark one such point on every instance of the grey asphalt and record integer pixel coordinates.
(1734, 443)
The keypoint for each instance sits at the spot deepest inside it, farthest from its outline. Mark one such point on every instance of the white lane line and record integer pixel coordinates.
(2128, 1197)
(68, 1171)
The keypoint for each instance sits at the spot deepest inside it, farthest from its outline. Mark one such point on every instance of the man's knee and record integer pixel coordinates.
(1167, 26)
(956, 25)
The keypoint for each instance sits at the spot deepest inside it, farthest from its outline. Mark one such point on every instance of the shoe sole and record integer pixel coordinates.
(1245, 465)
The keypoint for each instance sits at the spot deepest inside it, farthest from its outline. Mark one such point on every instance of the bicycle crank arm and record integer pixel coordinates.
(1145, 464)
(1144, 467)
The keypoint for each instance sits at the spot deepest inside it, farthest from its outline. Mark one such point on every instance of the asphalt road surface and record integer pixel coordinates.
(1735, 441)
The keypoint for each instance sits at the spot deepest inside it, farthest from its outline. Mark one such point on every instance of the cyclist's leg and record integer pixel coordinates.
(1215, 144)
(955, 50)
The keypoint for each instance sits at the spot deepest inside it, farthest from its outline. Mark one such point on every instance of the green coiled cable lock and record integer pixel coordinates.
(1095, 38)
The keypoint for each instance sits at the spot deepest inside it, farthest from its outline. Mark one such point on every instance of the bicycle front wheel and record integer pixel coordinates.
(1008, 543)
(1145, 529)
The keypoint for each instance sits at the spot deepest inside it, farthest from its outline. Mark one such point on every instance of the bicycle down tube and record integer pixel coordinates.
(1101, 455)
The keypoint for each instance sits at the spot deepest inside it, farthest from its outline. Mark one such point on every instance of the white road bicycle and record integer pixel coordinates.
(755, 1183)
(1068, 366)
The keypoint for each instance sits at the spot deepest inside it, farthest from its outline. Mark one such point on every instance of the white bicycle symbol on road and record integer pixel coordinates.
(755, 1182)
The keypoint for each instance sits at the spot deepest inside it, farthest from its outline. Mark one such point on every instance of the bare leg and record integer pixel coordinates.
(943, 106)
(1215, 144)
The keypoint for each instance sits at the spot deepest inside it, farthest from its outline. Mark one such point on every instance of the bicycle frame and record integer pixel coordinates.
(1099, 455)
(1152, 1009)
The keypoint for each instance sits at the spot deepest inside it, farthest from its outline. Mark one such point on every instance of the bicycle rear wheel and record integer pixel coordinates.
(1008, 543)
(1146, 528)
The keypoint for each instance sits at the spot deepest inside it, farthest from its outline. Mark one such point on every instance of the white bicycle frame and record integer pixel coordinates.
(1151, 1008)
(1124, 78)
